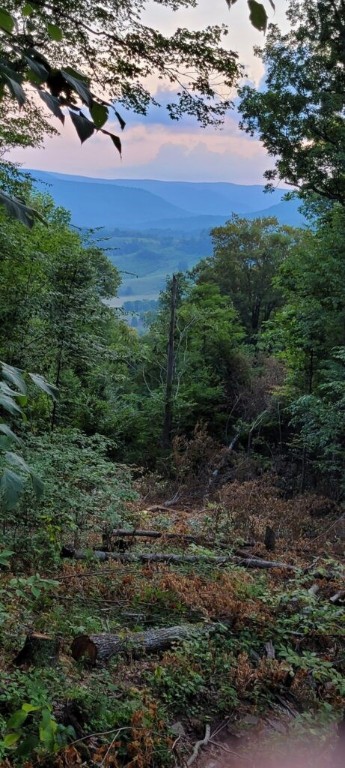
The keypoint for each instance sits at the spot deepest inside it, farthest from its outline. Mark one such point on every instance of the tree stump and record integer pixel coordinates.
(39, 650)
(270, 539)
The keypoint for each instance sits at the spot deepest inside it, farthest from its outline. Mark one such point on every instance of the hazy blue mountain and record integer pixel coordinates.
(155, 228)
(94, 205)
(286, 213)
(141, 203)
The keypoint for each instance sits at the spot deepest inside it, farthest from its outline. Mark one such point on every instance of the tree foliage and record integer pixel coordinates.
(299, 114)
(47, 46)
(246, 257)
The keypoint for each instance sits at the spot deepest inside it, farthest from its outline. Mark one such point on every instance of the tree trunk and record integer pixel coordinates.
(168, 408)
(149, 557)
(270, 539)
(102, 647)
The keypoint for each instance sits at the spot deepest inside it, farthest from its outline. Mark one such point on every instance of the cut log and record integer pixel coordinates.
(38, 650)
(102, 647)
(339, 598)
(172, 558)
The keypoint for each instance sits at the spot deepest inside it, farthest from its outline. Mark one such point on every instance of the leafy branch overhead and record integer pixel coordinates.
(46, 48)
(257, 13)
(22, 64)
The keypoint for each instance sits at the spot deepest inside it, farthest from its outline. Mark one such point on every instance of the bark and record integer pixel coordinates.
(148, 557)
(339, 598)
(39, 650)
(102, 647)
(270, 539)
(169, 400)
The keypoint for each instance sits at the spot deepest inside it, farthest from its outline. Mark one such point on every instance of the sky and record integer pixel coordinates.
(154, 147)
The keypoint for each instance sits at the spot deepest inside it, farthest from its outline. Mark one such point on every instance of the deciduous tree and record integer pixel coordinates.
(299, 115)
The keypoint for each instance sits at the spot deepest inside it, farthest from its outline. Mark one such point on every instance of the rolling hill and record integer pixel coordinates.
(154, 228)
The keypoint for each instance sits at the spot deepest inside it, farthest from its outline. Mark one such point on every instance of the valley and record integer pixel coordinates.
(151, 229)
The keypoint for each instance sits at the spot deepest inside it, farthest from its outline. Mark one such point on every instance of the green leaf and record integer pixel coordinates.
(27, 10)
(11, 487)
(5, 555)
(54, 32)
(10, 739)
(6, 430)
(14, 376)
(19, 210)
(16, 89)
(9, 404)
(17, 461)
(6, 20)
(258, 15)
(30, 708)
(99, 114)
(38, 68)
(83, 126)
(41, 382)
(79, 85)
(21, 399)
(5, 443)
(120, 119)
(53, 104)
(115, 139)
(37, 485)
(6, 390)
(17, 719)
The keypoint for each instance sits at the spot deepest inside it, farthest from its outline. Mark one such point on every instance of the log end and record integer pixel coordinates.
(83, 646)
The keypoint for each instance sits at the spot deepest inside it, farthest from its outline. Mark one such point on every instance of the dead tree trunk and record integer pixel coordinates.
(102, 647)
(270, 539)
(168, 407)
(149, 557)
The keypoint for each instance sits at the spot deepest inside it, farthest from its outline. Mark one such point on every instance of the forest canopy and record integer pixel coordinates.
(299, 115)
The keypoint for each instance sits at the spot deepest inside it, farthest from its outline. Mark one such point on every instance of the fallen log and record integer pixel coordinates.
(102, 647)
(138, 532)
(122, 533)
(39, 650)
(172, 558)
(339, 598)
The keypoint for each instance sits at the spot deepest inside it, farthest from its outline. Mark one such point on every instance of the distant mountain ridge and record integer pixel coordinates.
(144, 204)
(154, 228)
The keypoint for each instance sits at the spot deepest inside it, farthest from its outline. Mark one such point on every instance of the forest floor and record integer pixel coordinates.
(262, 680)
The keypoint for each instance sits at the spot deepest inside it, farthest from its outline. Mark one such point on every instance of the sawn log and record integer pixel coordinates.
(102, 647)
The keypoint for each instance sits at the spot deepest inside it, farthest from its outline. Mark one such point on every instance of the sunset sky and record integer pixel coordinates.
(157, 148)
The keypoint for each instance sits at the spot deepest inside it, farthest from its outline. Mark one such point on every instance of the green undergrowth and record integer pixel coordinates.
(52, 712)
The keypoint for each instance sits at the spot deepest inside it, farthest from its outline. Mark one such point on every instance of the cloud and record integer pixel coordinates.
(156, 147)
(151, 150)
(179, 162)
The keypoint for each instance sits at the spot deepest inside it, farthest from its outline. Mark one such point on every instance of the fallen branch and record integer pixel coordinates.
(172, 558)
(102, 647)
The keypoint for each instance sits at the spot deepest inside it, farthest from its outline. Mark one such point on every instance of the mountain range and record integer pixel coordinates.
(154, 228)
(142, 204)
